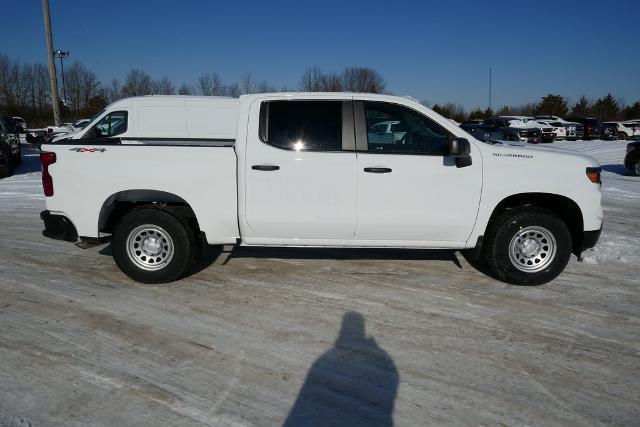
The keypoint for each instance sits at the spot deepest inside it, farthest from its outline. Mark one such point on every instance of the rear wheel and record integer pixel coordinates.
(527, 246)
(636, 168)
(152, 245)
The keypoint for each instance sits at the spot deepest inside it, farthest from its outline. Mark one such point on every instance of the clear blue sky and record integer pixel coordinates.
(432, 50)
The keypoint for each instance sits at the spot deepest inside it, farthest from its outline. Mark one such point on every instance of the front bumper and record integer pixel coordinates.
(589, 239)
(58, 227)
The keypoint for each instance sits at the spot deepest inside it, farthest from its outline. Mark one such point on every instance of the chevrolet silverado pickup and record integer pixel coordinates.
(156, 175)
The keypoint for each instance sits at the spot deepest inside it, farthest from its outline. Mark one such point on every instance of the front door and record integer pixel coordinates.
(410, 192)
(300, 171)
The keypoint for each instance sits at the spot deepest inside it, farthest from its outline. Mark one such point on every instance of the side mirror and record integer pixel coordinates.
(460, 149)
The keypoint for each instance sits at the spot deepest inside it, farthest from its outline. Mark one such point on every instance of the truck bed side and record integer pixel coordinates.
(86, 179)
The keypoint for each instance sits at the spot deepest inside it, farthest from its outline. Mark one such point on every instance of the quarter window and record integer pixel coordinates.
(406, 131)
(302, 125)
(114, 123)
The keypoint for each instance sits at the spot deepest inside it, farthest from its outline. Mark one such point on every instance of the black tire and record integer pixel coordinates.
(622, 136)
(6, 165)
(17, 159)
(497, 246)
(180, 235)
(635, 168)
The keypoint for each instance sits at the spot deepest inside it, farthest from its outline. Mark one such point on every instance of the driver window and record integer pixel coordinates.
(395, 129)
(114, 123)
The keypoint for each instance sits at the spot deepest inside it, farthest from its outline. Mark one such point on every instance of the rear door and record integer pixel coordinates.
(300, 185)
(410, 192)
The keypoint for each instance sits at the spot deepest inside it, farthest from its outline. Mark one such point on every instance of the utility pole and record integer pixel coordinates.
(53, 81)
(490, 87)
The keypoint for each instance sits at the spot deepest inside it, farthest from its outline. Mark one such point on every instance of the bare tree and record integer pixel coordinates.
(185, 89)
(312, 80)
(264, 87)
(332, 82)
(113, 92)
(137, 83)
(81, 85)
(163, 87)
(362, 79)
(248, 83)
(234, 90)
(211, 85)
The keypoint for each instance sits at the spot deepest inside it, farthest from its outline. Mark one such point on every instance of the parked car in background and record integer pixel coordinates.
(625, 130)
(574, 130)
(35, 136)
(20, 123)
(632, 159)
(13, 136)
(10, 151)
(592, 127)
(481, 132)
(609, 132)
(80, 124)
(547, 133)
(474, 122)
(558, 128)
(513, 130)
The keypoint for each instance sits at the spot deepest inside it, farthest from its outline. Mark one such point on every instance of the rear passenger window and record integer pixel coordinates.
(302, 125)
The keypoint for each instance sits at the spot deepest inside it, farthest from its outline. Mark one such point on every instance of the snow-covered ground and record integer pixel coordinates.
(620, 198)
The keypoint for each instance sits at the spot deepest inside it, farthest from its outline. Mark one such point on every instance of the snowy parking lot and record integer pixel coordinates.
(361, 336)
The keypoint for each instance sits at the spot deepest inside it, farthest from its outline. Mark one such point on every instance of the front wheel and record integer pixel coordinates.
(622, 136)
(635, 169)
(527, 246)
(152, 245)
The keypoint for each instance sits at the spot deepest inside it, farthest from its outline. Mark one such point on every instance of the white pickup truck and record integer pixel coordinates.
(157, 174)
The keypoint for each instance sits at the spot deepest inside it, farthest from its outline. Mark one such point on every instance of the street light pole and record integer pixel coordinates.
(53, 81)
(490, 82)
(62, 54)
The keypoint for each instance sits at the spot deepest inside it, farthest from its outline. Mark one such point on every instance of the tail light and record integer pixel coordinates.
(46, 159)
(594, 175)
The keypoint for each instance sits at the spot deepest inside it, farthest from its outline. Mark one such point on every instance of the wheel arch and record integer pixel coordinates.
(119, 204)
(565, 208)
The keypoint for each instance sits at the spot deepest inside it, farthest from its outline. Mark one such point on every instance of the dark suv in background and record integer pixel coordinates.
(593, 129)
(497, 129)
(632, 159)
(10, 149)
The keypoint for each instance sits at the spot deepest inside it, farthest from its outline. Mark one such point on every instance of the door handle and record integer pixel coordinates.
(378, 170)
(265, 167)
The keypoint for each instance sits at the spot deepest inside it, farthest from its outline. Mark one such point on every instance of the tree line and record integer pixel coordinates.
(24, 91)
(606, 108)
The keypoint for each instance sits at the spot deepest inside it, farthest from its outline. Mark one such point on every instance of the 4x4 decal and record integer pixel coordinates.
(88, 150)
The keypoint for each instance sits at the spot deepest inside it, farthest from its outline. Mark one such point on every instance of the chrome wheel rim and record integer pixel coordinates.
(149, 247)
(532, 249)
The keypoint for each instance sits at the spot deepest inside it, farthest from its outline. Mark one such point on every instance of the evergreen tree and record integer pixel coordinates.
(555, 105)
(606, 108)
(582, 107)
(631, 112)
